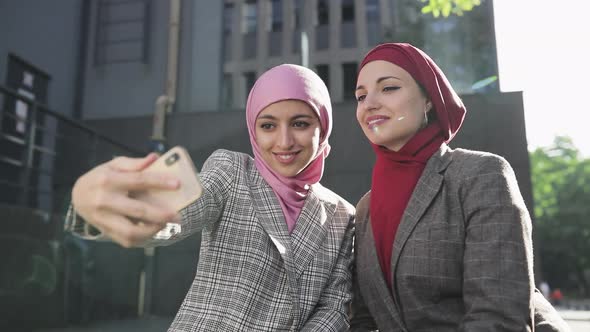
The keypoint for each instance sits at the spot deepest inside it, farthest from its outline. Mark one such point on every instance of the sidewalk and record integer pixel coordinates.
(577, 320)
(574, 315)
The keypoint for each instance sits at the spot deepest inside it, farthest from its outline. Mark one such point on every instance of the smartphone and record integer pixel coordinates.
(178, 163)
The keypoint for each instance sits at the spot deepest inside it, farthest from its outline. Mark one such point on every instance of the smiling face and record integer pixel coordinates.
(390, 105)
(288, 136)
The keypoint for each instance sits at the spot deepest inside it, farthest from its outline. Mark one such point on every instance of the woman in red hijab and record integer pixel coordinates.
(443, 239)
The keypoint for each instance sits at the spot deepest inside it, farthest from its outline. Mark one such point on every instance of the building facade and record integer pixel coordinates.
(332, 36)
(109, 58)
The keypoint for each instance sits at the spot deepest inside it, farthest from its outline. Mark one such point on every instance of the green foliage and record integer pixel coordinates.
(448, 7)
(561, 189)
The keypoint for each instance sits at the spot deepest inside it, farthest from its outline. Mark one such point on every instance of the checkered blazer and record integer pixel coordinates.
(253, 275)
(462, 256)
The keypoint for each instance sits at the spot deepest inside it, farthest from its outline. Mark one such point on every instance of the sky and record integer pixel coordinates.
(544, 51)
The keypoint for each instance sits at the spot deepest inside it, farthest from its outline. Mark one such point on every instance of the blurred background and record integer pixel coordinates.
(83, 81)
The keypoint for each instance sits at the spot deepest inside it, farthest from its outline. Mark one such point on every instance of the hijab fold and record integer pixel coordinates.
(396, 173)
(291, 82)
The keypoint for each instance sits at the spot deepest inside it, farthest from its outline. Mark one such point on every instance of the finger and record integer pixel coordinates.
(129, 234)
(127, 164)
(138, 181)
(139, 210)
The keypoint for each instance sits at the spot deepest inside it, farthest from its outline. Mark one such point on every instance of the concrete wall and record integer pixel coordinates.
(131, 89)
(126, 89)
(45, 34)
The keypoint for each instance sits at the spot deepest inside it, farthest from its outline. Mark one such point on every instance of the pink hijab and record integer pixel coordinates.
(285, 82)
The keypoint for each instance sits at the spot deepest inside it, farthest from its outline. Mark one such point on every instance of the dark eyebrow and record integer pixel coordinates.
(305, 116)
(265, 116)
(379, 80)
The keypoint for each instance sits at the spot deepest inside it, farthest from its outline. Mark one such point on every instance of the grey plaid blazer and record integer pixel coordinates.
(462, 256)
(252, 274)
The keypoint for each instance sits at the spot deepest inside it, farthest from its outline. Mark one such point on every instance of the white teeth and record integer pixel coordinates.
(374, 121)
(285, 156)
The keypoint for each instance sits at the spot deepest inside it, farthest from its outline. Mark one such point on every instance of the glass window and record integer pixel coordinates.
(228, 15)
(228, 20)
(347, 10)
(372, 7)
(373, 23)
(347, 26)
(463, 46)
(323, 12)
(297, 22)
(349, 79)
(323, 72)
(277, 15)
(249, 79)
(117, 42)
(227, 92)
(297, 14)
(249, 16)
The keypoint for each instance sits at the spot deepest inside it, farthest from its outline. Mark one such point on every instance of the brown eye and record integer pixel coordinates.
(266, 126)
(300, 124)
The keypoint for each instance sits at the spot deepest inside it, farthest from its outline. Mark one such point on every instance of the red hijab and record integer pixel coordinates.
(396, 173)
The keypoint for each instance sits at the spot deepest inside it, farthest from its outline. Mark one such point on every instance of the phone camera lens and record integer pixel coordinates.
(172, 159)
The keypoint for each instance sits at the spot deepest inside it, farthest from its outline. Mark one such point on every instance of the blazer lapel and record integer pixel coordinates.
(370, 269)
(311, 228)
(428, 186)
(270, 216)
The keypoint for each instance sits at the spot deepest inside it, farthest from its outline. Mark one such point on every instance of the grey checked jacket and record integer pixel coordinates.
(253, 275)
(462, 256)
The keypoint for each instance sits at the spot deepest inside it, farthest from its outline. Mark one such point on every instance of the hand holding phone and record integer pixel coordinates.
(175, 162)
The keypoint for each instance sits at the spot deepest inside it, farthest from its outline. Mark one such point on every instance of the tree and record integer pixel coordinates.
(448, 7)
(561, 189)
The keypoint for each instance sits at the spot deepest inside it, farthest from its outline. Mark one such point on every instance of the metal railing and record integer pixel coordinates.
(42, 152)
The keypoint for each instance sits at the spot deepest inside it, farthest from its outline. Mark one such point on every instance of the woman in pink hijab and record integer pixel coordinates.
(276, 245)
